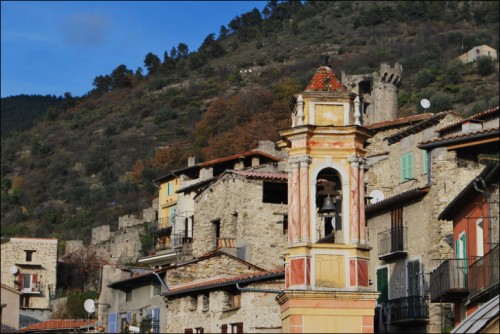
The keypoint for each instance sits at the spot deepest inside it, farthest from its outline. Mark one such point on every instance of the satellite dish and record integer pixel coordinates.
(376, 196)
(89, 306)
(425, 103)
(14, 270)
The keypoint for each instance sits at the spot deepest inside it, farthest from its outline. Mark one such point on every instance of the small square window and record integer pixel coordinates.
(29, 255)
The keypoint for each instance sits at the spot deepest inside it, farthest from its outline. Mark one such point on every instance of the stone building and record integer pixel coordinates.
(221, 305)
(377, 92)
(478, 51)
(29, 265)
(410, 180)
(192, 180)
(245, 213)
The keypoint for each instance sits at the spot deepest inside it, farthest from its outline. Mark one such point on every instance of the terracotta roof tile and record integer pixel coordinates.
(263, 175)
(236, 156)
(59, 324)
(463, 135)
(399, 121)
(478, 116)
(415, 128)
(324, 80)
(221, 280)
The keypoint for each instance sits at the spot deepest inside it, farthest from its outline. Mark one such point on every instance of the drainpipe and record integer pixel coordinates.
(486, 193)
(257, 290)
(162, 282)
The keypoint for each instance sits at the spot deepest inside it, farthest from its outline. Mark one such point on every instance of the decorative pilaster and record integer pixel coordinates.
(294, 205)
(304, 198)
(354, 193)
(362, 219)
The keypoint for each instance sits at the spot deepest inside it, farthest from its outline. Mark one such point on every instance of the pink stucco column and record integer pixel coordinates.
(304, 199)
(354, 194)
(362, 221)
(294, 205)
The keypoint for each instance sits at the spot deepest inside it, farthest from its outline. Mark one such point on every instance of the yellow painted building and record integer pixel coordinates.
(167, 208)
(326, 265)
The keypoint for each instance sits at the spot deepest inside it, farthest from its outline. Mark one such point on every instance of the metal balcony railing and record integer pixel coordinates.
(34, 288)
(407, 310)
(392, 243)
(448, 282)
(483, 276)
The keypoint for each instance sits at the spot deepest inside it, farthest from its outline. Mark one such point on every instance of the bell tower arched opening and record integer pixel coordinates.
(329, 206)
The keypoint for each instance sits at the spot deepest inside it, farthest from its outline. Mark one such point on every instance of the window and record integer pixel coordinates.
(29, 255)
(275, 193)
(198, 330)
(232, 300)
(27, 282)
(170, 188)
(383, 284)
(397, 230)
(223, 329)
(407, 167)
(25, 301)
(236, 327)
(413, 277)
(128, 295)
(425, 162)
(480, 237)
(216, 229)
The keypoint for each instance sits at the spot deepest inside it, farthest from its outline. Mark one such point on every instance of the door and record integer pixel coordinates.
(396, 230)
(383, 284)
(413, 269)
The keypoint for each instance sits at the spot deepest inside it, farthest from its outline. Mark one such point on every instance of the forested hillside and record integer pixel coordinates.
(73, 163)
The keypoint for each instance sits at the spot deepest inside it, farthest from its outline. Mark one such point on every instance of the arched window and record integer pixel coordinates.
(328, 205)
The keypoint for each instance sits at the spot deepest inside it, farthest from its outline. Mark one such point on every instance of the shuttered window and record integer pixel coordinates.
(407, 167)
(425, 162)
(383, 284)
(156, 320)
(413, 279)
(112, 322)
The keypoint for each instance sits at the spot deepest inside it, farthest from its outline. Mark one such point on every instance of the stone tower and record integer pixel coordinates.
(378, 92)
(326, 264)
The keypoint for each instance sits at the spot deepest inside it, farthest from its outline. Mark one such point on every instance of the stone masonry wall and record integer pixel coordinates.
(211, 267)
(256, 226)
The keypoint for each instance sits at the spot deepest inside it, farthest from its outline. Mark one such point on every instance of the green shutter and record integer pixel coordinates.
(383, 284)
(406, 167)
(425, 162)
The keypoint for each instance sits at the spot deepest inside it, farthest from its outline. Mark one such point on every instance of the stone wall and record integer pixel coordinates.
(259, 312)
(256, 227)
(220, 265)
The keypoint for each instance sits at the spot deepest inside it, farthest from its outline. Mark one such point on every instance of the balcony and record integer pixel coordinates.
(409, 310)
(449, 281)
(392, 243)
(483, 276)
(33, 288)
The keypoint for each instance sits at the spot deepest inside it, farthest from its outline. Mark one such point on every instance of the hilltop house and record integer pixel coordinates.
(29, 265)
(478, 51)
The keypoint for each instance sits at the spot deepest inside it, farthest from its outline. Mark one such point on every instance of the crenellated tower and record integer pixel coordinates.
(378, 92)
(326, 264)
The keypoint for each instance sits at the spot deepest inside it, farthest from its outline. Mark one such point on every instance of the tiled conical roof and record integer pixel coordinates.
(324, 80)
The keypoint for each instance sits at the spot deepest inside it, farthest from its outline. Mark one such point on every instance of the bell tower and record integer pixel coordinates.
(326, 263)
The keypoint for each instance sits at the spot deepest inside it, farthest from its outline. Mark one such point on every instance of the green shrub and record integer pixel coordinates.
(440, 102)
(424, 78)
(485, 65)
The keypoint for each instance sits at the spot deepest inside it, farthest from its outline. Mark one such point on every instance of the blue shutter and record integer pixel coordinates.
(156, 321)
(112, 322)
(129, 317)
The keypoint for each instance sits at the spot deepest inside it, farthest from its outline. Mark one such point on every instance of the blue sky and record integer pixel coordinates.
(53, 47)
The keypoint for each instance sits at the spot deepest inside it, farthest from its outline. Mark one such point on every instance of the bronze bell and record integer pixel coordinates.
(328, 206)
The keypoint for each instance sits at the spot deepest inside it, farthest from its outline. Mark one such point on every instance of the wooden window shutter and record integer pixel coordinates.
(20, 282)
(239, 327)
(223, 329)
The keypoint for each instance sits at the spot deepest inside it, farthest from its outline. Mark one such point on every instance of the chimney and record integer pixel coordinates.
(324, 60)
(191, 160)
(472, 125)
(255, 161)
